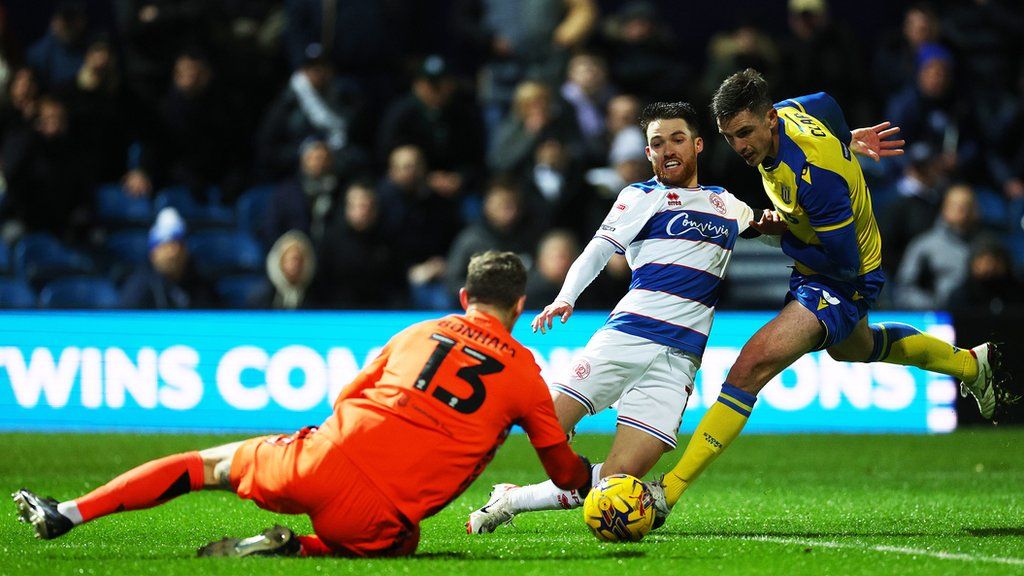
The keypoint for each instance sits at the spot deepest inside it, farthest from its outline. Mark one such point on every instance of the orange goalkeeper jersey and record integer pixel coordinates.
(425, 417)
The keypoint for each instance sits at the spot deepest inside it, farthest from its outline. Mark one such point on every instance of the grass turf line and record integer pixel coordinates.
(799, 504)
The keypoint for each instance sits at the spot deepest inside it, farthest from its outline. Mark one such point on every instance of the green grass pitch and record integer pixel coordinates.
(812, 505)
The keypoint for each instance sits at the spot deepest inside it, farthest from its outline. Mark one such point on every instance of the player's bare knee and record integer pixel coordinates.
(750, 377)
(848, 354)
(839, 355)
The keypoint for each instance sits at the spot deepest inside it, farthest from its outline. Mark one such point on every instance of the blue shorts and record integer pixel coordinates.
(839, 306)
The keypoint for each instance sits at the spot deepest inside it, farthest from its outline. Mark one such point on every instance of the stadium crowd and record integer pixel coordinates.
(180, 154)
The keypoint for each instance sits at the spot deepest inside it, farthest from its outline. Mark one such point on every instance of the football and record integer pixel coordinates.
(619, 509)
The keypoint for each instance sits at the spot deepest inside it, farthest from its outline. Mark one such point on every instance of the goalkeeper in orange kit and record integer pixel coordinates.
(406, 437)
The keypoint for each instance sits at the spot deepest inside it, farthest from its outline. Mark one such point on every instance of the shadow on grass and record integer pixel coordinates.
(476, 556)
(1000, 531)
(822, 534)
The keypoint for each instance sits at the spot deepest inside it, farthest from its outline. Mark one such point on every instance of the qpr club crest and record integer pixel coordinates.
(580, 370)
(717, 203)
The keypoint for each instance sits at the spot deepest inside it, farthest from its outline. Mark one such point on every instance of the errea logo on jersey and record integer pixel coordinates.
(673, 199)
(682, 223)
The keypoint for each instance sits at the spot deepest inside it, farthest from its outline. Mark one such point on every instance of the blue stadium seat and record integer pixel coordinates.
(16, 293)
(220, 253)
(79, 292)
(115, 207)
(40, 257)
(1015, 244)
(251, 208)
(239, 291)
(195, 213)
(129, 246)
(993, 209)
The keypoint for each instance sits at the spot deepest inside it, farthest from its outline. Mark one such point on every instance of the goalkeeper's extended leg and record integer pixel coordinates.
(145, 486)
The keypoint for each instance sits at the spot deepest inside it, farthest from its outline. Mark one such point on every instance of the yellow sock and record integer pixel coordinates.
(897, 343)
(722, 423)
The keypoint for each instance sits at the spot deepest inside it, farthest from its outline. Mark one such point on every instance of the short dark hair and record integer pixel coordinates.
(746, 90)
(670, 110)
(497, 278)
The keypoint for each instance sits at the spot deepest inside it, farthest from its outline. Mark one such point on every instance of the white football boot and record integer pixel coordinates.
(493, 514)
(661, 507)
(983, 387)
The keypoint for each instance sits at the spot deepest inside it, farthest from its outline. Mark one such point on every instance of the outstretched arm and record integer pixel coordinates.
(877, 142)
(582, 272)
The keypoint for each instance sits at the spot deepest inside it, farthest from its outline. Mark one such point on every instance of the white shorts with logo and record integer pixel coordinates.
(650, 381)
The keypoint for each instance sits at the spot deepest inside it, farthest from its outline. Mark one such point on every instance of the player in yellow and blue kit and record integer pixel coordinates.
(805, 153)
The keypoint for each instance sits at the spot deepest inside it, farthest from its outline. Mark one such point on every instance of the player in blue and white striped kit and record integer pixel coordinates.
(677, 237)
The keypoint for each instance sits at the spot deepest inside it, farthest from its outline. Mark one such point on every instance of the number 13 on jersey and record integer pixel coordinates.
(470, 374)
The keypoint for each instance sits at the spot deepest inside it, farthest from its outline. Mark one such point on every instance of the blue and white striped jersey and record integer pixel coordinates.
(678, 242)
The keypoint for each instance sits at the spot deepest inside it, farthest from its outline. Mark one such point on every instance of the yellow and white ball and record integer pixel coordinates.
(619, 509)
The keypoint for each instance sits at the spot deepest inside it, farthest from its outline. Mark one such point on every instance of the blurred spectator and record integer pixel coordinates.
(536, 117)
(291, 267)
(152, 34)
(986, 35)
(1006, 156)
(424, 223)
(821, 55)
(627, 164)
(43, 164)
(360, 268)
(587, 90)
(249, 54)
(931, 111)
(193, 142)
(312, 104)
(623, 112)
(555, 193)
(936, 263)
(1001, 120)
(21, 103)
(895, 60)
(991, 286)
(503, 228)
(10, 55)
(916, 207)
(523, 41)
(444, 124)
(58, 55)
(746, 46)
(169, 280)
(100, 111)
(609, 287)
(306, 202)
(642, 57)
(364, 40)
(555, 254)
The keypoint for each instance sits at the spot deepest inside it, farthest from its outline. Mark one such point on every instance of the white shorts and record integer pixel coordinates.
(650, 381)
